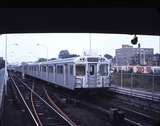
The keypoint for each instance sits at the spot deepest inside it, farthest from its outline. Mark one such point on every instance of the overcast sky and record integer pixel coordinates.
(23, 47)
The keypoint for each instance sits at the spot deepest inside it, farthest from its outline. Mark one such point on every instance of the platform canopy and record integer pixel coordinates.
(144, 21)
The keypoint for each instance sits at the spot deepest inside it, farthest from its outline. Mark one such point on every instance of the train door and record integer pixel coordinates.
(71, 76)
(92, 74)
(66, 74)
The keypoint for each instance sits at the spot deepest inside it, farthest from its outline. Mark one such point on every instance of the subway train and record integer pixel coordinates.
(71, 73)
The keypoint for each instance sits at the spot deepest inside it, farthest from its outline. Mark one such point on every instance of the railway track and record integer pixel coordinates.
(42, 113)
(132, 118)
(78, 117)
(58, 108)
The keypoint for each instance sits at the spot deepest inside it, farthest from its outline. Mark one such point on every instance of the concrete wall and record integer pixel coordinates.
(1, 90)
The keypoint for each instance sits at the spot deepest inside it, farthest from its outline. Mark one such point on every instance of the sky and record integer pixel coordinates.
(23, 47)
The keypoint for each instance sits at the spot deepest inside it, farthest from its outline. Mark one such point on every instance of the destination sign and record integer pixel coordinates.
(92, 59)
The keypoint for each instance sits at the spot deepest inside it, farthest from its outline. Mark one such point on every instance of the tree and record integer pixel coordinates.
(42, 59)
(52, 59)
(2, 63)
(108, 56)
(64, 54)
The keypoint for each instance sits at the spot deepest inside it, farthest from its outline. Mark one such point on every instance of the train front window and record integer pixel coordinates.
(92, 69)
(104, 69)
(80, 70)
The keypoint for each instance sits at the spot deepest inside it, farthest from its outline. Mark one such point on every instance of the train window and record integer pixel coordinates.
(34, 68)
(80, 70)
(50, 69)
(43, 69)
(60, 69)
(104, 69)
(37, 68)
(71, 69)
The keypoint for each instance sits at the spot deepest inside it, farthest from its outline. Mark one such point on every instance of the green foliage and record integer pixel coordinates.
(42, 59)
(2, 63)
(108, 56)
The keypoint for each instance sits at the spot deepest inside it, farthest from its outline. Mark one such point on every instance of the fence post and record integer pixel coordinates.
(131, 83)
(121, 79)
(152, 85)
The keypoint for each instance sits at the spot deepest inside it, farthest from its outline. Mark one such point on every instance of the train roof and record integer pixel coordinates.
(67, 60)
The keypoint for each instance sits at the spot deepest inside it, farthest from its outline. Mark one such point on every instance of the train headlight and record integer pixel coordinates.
(82, 59)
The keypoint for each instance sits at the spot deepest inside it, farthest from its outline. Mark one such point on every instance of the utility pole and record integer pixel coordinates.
(144, 57)
(46, 49)
(159, 44)
(139, 47)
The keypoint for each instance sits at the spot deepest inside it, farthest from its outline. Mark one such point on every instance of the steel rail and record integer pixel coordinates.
(25, 102)
(100, 108)
(62, 116)
(53, 103)
(34, 109)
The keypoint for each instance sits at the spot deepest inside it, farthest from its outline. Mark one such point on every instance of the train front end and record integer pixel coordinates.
(92, 72)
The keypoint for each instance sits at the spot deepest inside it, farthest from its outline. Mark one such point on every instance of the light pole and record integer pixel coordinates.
(144, 57)
(45, 47)
(139, 47)
(6, 60)
(33, 55)
(8, 45)
(47, 57)
(6, 73)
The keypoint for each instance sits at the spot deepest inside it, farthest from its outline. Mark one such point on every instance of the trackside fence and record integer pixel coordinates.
(142, 82)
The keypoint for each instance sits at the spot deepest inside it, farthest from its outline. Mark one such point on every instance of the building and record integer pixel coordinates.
(156, 59)
(127, 55)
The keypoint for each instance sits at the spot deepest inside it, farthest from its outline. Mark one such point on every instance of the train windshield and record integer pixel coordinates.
(104, 69)
(92, 67)
(80, 70)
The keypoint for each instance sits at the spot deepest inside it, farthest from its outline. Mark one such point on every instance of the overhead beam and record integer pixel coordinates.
(144, 21)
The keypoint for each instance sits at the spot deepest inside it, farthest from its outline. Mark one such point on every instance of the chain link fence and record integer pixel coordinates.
(145, 82)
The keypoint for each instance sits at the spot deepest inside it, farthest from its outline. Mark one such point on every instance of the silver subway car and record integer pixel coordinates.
(71, 73)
